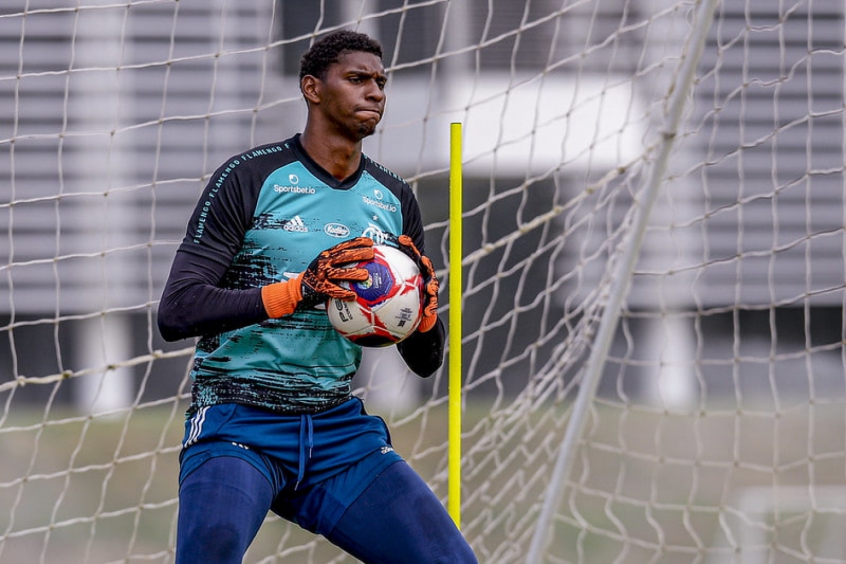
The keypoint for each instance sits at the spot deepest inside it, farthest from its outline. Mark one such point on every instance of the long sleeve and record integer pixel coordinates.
(197, 300)
(423, 353)
(193, 305)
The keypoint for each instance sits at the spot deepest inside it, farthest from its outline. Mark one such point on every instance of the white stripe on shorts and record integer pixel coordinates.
(196, 426)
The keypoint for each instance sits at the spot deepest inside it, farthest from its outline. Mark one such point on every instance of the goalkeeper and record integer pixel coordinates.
(272, 424)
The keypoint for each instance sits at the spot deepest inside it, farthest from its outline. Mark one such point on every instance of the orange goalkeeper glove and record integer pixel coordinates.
(319, 281)
(430, 283)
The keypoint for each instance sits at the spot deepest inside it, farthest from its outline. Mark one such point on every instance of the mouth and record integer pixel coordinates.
(374, 111)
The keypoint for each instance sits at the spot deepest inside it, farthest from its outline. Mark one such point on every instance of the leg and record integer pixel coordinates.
(399, 519)
(222, 504)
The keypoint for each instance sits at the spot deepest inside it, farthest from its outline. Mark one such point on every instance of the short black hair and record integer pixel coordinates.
(329, 49)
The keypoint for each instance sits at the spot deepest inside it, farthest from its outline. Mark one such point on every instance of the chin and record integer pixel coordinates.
(365, 131)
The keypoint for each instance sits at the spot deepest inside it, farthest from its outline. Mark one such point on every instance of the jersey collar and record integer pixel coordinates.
(321, 173)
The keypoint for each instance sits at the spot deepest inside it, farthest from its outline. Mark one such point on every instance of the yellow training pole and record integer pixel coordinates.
(455, 286)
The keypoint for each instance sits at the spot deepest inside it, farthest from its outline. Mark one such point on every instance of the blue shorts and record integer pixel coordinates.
(316, 464)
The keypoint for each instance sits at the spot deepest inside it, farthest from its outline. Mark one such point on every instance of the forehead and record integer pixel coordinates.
(358, 61)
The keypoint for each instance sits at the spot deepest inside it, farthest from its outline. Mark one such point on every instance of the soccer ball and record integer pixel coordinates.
(389, 304)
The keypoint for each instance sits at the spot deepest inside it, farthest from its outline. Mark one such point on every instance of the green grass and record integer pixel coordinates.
(646, 485)
(75, 488)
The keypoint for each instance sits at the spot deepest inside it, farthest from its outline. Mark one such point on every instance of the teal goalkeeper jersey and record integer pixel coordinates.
(264, 215)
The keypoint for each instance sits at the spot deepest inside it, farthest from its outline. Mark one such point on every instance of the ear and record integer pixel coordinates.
(310, 87)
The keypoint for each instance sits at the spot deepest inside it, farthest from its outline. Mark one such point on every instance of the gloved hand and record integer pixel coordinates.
(430, 283)
(319, 281)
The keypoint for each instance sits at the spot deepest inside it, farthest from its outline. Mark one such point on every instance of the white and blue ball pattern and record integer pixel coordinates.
(388, 306)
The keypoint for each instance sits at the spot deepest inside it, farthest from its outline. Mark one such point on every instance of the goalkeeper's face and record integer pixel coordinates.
(352, 94)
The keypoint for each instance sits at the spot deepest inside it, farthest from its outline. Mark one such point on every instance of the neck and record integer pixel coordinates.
(339, 156)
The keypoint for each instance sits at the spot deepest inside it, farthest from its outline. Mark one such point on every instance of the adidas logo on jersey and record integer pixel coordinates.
(296, 224)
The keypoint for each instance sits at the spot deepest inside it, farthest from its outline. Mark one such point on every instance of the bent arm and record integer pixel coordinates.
(193, 305)
(194, 301)
(423, 353)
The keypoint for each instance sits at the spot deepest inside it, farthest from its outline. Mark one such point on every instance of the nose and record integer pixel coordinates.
(375, 92)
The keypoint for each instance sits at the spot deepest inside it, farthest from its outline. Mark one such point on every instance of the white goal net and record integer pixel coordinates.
(654, 265)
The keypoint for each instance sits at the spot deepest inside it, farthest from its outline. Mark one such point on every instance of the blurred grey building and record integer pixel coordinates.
(113, 118)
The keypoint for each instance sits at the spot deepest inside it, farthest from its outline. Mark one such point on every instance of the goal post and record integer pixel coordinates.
(623, 268)
(645, 301)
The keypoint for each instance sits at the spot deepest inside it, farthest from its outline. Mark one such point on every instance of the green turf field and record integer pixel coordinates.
(646, 487)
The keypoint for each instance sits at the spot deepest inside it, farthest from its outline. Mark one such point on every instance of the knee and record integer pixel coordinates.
(221, 507)
(218, 542)
(224, 539)
(459, 552)
(446, 545)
